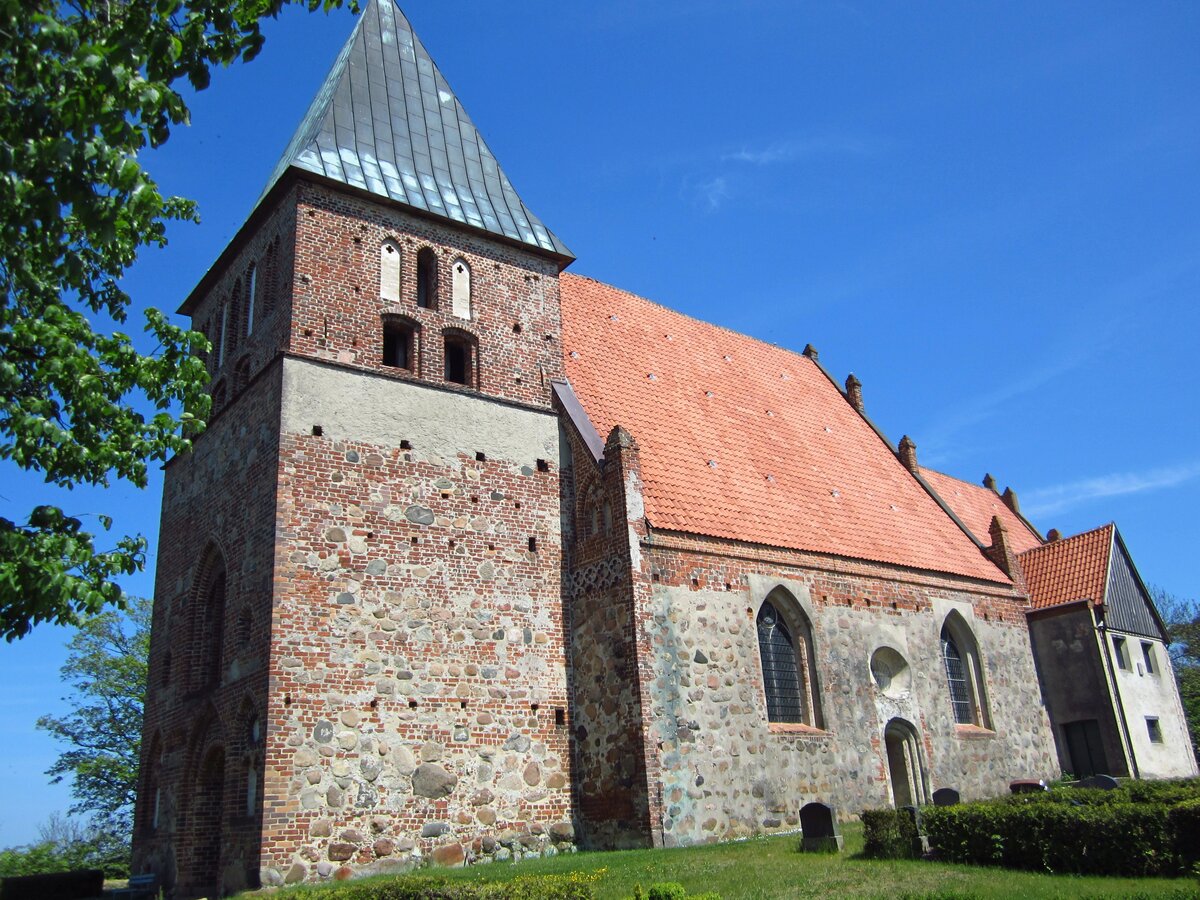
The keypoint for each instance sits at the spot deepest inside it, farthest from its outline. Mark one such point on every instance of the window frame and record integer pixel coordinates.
(427, 279)
(411, 331)
(457, 337)
(969, 705)
(1120, 647)
(791, 631)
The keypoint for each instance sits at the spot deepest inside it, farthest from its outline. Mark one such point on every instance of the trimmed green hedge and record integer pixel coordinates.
(1115, 838)
(575, 886)
(889, 834)
(1139, 828)
(1184, 821)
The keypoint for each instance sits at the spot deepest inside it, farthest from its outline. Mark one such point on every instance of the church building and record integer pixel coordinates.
(479, 559)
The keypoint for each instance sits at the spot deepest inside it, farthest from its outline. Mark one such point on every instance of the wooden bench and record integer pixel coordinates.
(145, 885)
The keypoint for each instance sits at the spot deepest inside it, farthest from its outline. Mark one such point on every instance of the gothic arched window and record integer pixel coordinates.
(208, 622)
(785, 646)
(964, 674)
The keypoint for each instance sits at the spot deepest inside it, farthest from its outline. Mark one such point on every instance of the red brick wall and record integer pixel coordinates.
(338, 310)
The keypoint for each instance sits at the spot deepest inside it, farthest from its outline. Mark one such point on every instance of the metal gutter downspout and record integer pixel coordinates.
(1102, 637)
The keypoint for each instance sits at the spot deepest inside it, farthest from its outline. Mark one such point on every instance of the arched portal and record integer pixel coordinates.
(906, 767)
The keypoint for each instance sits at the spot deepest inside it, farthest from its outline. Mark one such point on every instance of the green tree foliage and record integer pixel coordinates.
(1182, 618)
(88, 85)
(65, 845)
(106, 672)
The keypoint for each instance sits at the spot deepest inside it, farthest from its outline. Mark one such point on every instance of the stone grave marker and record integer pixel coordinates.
(945, 797)
(819, 825)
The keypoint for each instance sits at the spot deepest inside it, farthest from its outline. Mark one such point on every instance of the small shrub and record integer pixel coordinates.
(670, 890)
(889, 834)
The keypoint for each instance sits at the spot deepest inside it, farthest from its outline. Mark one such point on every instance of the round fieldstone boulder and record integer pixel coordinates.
(452, 855)
(421, 515)
(431, 780)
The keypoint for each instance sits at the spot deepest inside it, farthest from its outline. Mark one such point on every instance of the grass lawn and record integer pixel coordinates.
(771, 867)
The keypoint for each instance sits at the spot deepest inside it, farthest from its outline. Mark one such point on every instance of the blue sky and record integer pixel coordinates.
(988, 212)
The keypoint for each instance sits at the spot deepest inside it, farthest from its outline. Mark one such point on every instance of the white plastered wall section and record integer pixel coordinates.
(357, 406)
(1153, 695)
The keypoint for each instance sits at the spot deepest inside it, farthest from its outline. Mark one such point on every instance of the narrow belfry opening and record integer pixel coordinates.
(458, 360)
(397, 345)
(426, 279)
(560, 717)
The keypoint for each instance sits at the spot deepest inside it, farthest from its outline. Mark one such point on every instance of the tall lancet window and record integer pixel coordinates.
(251, 296)
(460, 294)
(426, 279)
(389, 271)
(964, 673)
(785, 646)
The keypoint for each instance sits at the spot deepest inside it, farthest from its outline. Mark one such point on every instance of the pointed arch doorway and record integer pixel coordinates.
(906, 767)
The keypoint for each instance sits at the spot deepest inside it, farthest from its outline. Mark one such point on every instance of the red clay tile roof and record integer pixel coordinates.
(746, 441)
(976, 505)
(1074, 568)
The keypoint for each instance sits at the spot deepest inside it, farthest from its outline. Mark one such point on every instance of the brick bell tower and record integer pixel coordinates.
(358, 644)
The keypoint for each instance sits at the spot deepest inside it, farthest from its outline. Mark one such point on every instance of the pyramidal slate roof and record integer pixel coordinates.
(386, 121)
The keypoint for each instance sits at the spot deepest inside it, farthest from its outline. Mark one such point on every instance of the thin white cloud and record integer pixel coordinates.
(1056, 498)
(711, 193)
(801, 148)
(942, 437)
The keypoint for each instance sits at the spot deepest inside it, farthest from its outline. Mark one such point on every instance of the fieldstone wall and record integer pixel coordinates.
(726, 772)
(197, 821)
(418, 702)
(606, 711)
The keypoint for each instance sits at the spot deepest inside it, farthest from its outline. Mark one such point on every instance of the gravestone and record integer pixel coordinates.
(945, 797)
(1027, 786)
(1100, 782)
(920, 842)
(819, 826)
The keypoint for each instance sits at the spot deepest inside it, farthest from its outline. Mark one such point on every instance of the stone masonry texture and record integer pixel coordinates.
(402, 619)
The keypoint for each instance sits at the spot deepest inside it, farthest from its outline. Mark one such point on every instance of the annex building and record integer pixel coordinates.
(480, 559)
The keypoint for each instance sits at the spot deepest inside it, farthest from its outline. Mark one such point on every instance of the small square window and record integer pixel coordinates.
(1154, 730)
(1148, 657)
(1120, 651)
